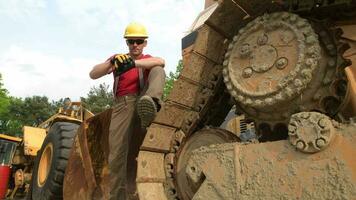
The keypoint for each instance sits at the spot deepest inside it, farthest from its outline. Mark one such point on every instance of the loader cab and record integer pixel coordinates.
(8, 145)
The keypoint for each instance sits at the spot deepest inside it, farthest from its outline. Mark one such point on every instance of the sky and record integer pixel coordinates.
(48, 47)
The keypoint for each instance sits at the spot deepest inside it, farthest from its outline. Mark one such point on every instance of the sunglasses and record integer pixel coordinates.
(137, 41)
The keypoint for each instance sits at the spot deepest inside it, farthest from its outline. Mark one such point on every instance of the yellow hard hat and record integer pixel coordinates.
(135, 30)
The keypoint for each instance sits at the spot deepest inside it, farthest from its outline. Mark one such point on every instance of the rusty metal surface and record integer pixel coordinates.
(86, 175)
(310, 132)
(276, 170)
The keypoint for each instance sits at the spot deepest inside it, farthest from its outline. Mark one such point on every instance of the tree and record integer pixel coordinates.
(4, 99)
(98, 99)
(37, 109)
(31, 111)
(171, 79)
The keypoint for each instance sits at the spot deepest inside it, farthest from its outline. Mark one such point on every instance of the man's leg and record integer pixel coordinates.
(119, 136)
(151, 102)
(156, 81)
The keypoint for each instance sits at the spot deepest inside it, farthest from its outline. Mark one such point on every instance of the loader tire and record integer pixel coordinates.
(51, 162)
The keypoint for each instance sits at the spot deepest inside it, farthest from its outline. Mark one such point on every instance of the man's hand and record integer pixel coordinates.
(122, 63)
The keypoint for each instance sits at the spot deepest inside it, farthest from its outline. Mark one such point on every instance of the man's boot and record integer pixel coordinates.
(146, 110)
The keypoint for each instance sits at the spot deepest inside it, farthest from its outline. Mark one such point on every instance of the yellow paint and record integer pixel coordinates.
(11, 138)
(33, 139)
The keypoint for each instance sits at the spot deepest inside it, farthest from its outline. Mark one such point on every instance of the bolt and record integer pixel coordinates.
(292, 128)
(281, 63)
(233, 93)
(312, 50)
(247, 72)
(285, 16)
(225, 63)
(169, 166)
(230, 46)
(171, 191)
(248, 102)
(279, 97)
(320, 143)
(240, 98)
(304, 115)
(298, 83)
(262, 40)
(301, 23)
(241, 31)
(245, 50)
(288, 92)
(224, 71)
(300, 145)
(269, 101)
(258, 102)
(293, 18)
(310, 39)
(310, 62)
(235, 38)
(227, 55)
(322, 122)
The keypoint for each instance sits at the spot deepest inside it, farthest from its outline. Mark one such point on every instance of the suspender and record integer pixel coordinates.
(141, 80)
(116, 84)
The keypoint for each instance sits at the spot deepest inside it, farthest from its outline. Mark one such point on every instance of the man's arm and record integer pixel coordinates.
(148, 63)
(100, 70)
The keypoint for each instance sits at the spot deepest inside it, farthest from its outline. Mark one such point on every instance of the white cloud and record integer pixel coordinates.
(21, 9)
(94, 26)
(28, 73)
(166, 20)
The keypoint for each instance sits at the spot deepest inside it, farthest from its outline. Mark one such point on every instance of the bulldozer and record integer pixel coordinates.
(25, 165)
(288, 69)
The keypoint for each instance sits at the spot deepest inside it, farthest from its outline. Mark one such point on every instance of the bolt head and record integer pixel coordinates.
(247, 72)
(281, 63)
(320, 143)
(300, 145)
(292, 129)
(322, 123)
(262, 40)
(305, 115)
(245, 50)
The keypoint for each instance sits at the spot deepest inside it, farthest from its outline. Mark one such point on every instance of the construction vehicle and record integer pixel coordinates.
(8, 145)
(25, 162)
(288, 67)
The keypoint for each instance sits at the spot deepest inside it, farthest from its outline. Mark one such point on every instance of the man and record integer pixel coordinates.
(138, 88)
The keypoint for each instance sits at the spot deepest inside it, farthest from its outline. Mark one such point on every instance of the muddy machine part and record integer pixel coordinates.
(288, 67)
(279, 170)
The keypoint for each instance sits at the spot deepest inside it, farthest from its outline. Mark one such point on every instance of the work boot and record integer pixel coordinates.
(146, 110)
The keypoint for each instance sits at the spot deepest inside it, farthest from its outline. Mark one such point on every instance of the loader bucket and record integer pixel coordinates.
(87, 172)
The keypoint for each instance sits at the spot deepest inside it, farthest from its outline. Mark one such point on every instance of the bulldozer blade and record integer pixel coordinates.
(86, 176)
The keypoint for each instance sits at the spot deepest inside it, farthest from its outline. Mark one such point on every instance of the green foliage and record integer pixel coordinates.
(98, 99)
(29, 111)
(4, 99)
(171, 79)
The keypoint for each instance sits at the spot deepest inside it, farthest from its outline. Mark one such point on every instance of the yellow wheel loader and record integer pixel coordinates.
(39, 160)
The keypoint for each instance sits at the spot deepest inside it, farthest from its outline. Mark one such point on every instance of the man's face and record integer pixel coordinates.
(136, 45)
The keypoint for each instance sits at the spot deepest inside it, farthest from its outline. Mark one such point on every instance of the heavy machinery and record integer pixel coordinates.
(287, 66)
(24, 161)
(8, 145)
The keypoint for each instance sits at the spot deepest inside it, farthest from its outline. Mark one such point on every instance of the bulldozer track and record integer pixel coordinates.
(199, 97)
